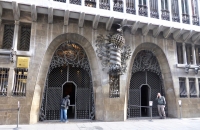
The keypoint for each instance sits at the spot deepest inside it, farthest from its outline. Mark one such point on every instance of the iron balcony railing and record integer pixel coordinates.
(170, 10)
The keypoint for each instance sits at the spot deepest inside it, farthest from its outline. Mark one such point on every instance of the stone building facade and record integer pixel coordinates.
(153, 65)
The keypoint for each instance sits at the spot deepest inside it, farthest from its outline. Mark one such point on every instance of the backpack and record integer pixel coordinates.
(64, 103)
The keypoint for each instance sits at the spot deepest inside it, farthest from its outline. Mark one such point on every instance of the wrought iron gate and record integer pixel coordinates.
(145, 71)
(69, 64)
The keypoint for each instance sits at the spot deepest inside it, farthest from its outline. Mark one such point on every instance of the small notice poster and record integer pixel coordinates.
(23, 62)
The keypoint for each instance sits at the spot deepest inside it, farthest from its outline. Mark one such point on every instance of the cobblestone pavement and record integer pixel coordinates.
(134, 124)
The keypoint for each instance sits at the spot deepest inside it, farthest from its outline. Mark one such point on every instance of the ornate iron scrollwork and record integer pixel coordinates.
(165, 15)
(69, 63)
(113, 52)
(185, 18)
(143, 10)
(154, 13)
(195, 20)
(146, 60)
(130, 10)
(118, 6)
(175, 17)
(104, 5)
(76, 2)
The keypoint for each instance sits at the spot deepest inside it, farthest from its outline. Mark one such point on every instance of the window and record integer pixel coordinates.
(164, 4)
(64, 1)
(3, 81)
(175, 11)
(189, 53)
(8, 36)
(182, 87)
(142, 2)
(179, 47)
(194, 7)
(184, 6)
(25, 32)
(19, 88)
(193, 92)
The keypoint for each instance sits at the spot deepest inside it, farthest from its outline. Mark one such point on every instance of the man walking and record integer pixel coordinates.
(161, 106)
(64, 106)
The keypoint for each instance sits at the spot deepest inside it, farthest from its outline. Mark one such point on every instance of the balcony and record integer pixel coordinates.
(148, 14)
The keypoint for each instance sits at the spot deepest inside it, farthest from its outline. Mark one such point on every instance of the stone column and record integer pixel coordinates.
(136, 7)
(124, 6)
(11, 81)
(194, 55)
(180, 10)
(190, 12)
(187, 86)
(159, 9)
(184, 54)
(170, 9)
(148, 8)
(111, 5)
(197, 86)
(15, 37)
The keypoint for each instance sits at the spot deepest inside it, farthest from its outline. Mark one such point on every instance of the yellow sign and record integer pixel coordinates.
(23, 62)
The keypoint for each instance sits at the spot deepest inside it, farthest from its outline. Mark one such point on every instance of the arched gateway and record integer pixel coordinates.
(69, 74)
(146, 81)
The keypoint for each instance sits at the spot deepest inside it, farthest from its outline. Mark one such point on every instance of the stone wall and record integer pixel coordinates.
(45, 38)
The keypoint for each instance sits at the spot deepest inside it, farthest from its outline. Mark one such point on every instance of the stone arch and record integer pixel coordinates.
(44, 67)
(166, 74)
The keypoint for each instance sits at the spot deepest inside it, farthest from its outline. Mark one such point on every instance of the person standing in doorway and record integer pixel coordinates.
(64, 107)
(161, 106)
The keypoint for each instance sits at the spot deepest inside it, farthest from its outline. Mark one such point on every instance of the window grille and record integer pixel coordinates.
(76, 2)
(189, 53)
(130, 6)
(104, 4)
(182, 87)
(193, 92)
(19, 88)
(143, 8)
(197, 51)
(175, 11)
(24, 44)
(118, 5)
(90, 3)
(8, 36)
(195, 13)
(64, 1)
(154, 8)
(3, 81)
(185, 14)
(179, 47)
(165, 10)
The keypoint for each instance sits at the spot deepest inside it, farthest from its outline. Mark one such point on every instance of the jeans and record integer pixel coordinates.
(63, 115)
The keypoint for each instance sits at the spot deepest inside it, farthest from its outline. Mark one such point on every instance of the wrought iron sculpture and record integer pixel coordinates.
(113, 52)
(187, 67)
(143, 10)
(118, 6)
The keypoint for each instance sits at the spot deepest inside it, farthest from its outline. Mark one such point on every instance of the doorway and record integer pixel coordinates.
(69, 88)
(145, 96)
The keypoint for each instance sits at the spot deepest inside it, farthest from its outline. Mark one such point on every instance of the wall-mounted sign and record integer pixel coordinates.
(23, 62)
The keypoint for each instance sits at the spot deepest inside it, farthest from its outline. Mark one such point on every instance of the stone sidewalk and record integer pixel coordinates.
(134, 124)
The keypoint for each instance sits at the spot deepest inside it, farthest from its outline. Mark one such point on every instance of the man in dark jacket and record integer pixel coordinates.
(161, 105)
(64, 106)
